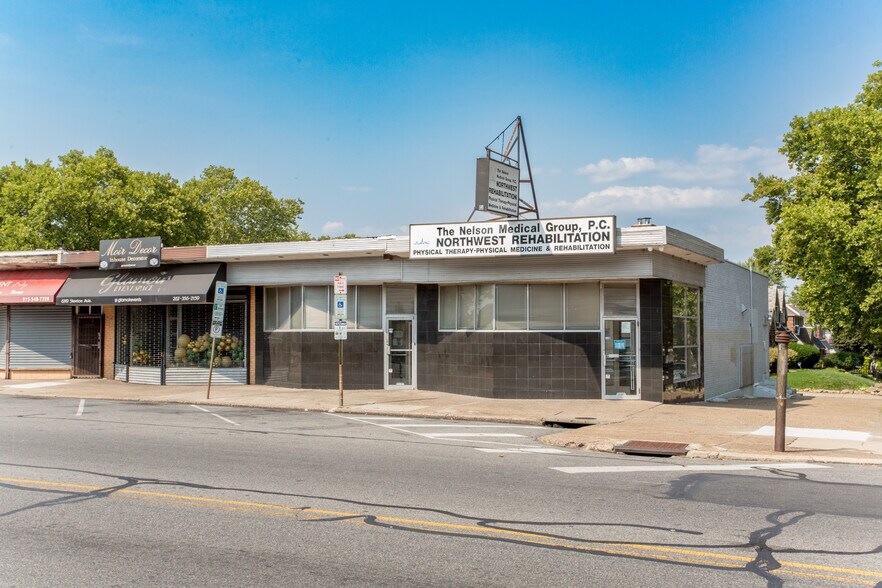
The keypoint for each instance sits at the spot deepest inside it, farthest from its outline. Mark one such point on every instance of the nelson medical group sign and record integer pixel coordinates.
(562, 236)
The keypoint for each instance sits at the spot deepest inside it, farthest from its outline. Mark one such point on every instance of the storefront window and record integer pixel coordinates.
(583, 306)
(504, 307)
(309, 308)
(486, 307)
(190, 341)
(370, 307)
(687, 335)
(620, 300)
(511, 307)
(546, 307)
(465, 317)
(145, 336)
(447, 307)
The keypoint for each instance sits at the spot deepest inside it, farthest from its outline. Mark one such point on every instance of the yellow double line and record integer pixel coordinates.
(653, 552)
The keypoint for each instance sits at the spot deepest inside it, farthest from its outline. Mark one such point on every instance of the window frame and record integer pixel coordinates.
(681, 320)
(353, 297)
(494, 328)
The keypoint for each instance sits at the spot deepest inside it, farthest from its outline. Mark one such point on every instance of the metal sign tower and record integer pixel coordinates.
(506, 149)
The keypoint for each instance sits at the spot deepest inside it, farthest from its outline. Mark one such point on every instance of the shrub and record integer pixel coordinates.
(773, 358)
(845, 360)
(806, 356)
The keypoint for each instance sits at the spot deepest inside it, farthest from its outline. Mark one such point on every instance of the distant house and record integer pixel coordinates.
(779, 313)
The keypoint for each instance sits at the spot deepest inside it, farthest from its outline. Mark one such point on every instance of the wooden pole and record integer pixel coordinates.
(782, 338)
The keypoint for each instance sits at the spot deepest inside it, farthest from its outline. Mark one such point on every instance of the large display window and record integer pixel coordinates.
(170, 344)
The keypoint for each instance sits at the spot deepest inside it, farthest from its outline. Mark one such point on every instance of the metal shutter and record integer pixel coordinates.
(39, 337)
(2, 337)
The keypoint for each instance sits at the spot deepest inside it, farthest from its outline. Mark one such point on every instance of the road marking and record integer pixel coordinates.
(373, 418)
(657, 552)
(550, 450)
(449, 435)
(473, 426)
(35, 385)
(400, 428)
(217, 415)
(392, 407)
(81, 407)
(837, 434)
(688, 468)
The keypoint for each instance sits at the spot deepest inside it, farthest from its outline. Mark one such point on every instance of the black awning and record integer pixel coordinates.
(172, 284)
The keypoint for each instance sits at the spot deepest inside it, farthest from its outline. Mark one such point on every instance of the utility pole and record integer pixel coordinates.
(782, 338)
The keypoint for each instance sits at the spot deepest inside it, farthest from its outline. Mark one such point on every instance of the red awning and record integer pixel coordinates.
(31, 286)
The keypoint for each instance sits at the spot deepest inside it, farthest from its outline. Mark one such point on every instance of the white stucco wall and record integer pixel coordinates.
(726, 327)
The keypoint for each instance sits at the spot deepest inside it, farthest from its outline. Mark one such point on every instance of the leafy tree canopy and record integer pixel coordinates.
(86, 198)
(827, 218)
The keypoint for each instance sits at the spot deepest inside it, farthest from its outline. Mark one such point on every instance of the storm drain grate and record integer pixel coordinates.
(569, 422)
(652, 448)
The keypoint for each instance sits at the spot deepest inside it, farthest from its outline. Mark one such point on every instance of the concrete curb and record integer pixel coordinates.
(695, 452)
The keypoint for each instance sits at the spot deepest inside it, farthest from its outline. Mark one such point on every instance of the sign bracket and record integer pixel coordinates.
(508, 152)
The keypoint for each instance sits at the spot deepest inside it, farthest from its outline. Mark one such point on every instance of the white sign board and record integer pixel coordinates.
(562, 236)
(339, 330)
(217, 313)
(340, 306)
(339, 284)
(497, 187)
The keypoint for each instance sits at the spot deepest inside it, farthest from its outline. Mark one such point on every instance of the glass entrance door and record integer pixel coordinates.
(399, 352)
(620, 358)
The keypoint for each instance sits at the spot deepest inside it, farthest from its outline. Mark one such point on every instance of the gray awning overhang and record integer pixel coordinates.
(173, 284)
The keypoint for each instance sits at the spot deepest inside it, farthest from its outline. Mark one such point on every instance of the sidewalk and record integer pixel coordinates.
(845, 428)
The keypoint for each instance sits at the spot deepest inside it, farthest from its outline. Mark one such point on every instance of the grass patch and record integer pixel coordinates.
(826, 379)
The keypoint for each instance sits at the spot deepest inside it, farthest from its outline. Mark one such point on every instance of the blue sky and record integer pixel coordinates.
(373, 113)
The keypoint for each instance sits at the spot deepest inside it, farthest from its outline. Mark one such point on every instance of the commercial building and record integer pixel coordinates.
(561, 308)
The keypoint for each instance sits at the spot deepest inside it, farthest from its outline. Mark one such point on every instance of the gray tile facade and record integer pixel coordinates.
(500, 364)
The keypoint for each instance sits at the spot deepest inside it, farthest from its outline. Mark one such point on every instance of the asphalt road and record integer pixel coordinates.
(113, 493)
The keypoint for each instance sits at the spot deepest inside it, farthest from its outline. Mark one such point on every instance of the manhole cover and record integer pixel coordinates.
(652, 448)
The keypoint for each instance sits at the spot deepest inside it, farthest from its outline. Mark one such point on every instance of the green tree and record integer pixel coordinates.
(765, 261)
(97, 198)
(827, 217)
(242, 210)
(86, 198)
(25, 211)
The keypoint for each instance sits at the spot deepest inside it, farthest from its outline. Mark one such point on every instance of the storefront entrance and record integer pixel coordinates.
(87, 348)
(620, 358)
(400, 352)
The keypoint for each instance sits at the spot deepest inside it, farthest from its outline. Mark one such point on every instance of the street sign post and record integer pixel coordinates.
(217, 325)
(339, 284)
(340, 307)
(340, 325)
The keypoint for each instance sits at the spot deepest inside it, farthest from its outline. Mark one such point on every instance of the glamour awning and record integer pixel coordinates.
(31, 286)
(173, 284)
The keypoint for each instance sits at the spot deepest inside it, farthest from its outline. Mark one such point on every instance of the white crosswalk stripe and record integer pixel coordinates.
(447, 435)
(688, 468)
(548, 450)
(472, 432)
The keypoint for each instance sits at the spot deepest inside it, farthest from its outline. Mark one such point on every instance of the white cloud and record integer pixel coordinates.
(727, 154)
(715, 164)
(607, 170)
(650, 200)
(356, 188)
(331, 226)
